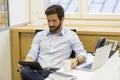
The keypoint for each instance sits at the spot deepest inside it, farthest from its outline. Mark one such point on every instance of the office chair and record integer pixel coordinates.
(72, 54)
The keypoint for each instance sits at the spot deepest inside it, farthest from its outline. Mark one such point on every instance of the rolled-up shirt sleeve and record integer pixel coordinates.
(33, 52)
(77, 45)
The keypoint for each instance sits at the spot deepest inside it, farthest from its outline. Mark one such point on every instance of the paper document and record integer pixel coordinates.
(61, 76)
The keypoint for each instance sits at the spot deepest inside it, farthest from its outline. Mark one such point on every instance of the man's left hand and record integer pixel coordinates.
(74, 63)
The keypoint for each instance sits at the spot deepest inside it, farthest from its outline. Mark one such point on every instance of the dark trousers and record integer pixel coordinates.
(28, 74)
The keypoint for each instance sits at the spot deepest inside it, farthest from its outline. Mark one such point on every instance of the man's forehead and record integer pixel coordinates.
(52, 16)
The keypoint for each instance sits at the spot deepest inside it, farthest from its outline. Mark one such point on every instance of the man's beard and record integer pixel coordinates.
(54, 29)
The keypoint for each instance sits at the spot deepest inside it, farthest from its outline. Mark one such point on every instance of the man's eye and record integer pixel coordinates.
(48, 20)
(54, 20)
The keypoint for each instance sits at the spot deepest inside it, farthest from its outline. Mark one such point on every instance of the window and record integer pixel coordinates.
(101, 9)
(81, 11)
(103, 6)
(3, 13)
(71, 7)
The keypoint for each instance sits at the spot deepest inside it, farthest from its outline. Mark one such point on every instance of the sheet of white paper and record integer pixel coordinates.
(61, 76)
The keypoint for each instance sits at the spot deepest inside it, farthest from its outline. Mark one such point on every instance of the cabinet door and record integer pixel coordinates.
(90, 41)
(26, 39)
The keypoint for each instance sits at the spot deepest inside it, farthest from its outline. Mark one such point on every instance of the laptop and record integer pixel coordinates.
(101, 56)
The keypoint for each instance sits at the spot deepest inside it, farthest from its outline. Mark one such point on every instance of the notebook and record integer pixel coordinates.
(101, 56)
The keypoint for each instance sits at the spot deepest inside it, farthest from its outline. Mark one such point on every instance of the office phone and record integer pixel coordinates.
(102, 41)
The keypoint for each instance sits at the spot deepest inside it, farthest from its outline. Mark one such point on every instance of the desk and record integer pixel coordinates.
(22, 36)
(110, 71)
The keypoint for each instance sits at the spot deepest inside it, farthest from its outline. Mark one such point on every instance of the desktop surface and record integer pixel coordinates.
(109, 71)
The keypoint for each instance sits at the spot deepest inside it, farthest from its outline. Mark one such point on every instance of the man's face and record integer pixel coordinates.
(54, 23)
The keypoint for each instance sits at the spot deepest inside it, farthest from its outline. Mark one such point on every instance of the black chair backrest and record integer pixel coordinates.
(73, 54)
(38, 30)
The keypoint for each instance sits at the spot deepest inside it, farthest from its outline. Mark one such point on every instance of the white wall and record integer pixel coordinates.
(5, 60)
(18, 14)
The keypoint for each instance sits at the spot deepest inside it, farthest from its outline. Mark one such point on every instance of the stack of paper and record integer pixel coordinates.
(61, 76)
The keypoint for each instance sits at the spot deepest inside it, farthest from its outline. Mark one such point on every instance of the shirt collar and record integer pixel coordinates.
(59, 34)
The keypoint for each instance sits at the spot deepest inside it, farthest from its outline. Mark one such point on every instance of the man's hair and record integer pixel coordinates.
(55, 9)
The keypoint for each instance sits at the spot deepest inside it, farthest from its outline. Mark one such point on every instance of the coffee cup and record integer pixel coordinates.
(67, 65)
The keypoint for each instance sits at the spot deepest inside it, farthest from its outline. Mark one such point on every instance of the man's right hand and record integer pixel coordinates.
(30, 59)
(19, 67)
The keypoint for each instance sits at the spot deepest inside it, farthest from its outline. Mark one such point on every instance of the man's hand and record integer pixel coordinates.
(19, 67)
(30, 59)
(74, 63)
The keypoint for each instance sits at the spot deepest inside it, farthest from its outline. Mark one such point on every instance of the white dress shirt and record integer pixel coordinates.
(54, 48)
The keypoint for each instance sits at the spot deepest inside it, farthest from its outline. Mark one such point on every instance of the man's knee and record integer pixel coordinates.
(28, 74)
(25, 70)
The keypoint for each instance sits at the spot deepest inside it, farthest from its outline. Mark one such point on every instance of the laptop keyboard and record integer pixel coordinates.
(89, 66)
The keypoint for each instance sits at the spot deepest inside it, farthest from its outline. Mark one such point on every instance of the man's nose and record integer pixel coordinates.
(51, 23)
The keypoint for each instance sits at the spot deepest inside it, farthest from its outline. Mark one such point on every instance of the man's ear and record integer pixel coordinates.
(62, 19)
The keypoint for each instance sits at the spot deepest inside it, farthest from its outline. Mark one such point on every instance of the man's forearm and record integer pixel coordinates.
(29, 59)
